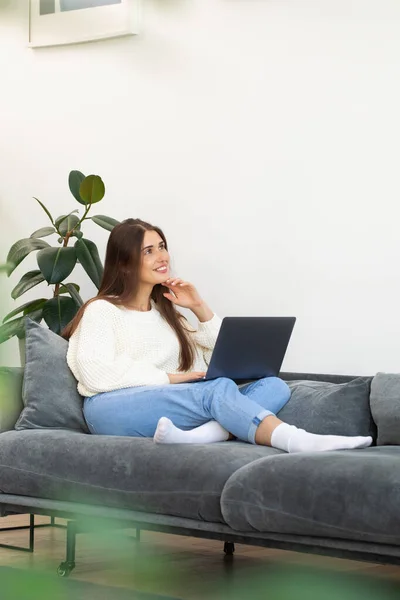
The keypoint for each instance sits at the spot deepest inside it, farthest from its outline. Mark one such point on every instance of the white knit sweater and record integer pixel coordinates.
(115, 347)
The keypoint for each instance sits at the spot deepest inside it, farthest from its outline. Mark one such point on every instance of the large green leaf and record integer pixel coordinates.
(73, 290)
(67, 222)
(8, 330)
(43, 232)
(56, 263)
(17, 326)
(92, 189)
(27, 281)
(88, 256)
(26, 308)
(106, 222)
(58, 312)
(21, 249)
(74, 180)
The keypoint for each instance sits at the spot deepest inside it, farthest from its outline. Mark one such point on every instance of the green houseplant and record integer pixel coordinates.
(56, 263)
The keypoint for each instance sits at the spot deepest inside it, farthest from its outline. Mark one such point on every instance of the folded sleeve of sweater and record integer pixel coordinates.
(100, 367)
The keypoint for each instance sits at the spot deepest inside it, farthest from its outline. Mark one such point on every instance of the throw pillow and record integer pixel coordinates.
(385, 407)
(49, 393)
(330, 408)
(10, 396)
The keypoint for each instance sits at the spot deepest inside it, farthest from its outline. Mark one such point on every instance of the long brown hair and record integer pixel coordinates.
(121, 280)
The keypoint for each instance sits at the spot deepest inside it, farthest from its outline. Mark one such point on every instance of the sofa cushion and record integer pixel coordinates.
(10, 396)
(49, 393)
(330, 408)
(385, 407)
(350, 494)
(122, 472)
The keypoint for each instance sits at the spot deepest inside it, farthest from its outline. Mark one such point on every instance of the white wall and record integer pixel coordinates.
(261, 135)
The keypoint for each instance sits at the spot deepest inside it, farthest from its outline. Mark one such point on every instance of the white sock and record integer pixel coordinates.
(167, 433)
(291, 439)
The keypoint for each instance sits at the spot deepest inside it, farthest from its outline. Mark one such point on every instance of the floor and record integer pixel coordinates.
(177, 566)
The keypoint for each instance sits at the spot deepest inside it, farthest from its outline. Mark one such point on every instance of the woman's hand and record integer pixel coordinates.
(184, 293)
(182, 377)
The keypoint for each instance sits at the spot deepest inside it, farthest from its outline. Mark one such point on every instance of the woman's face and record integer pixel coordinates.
(155, 259)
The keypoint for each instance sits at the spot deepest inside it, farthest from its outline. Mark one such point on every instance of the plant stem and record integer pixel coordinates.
(65, 244)
(89, 206)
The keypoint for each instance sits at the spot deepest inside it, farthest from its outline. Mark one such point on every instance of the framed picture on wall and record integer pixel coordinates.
(58, 22)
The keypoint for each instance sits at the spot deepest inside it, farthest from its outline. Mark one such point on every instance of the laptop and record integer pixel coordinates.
(249, 348)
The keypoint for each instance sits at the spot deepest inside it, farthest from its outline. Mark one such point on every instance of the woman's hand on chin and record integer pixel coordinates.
(183, 293)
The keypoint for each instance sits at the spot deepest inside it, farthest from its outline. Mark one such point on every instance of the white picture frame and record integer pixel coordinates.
(61, 22)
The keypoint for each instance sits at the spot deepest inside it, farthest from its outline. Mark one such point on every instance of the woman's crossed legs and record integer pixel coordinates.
(204, 412)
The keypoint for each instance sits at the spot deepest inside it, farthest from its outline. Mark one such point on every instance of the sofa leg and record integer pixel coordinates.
(229, 548)
(73, 528)
(31, 528)
(68, 565)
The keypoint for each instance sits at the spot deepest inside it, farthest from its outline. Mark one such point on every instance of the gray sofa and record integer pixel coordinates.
(343, 503)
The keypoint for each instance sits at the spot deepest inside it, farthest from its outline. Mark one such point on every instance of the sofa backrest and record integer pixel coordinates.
(316, 377)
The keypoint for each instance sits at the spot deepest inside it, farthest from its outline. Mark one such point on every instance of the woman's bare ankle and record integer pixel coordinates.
(265, 429)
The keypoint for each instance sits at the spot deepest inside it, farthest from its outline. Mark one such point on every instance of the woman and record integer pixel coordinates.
(132, 351)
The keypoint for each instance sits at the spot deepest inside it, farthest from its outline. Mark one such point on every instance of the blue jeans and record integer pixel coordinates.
(135, 411)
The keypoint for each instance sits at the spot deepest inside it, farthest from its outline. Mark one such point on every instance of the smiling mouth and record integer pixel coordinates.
(163, 269)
